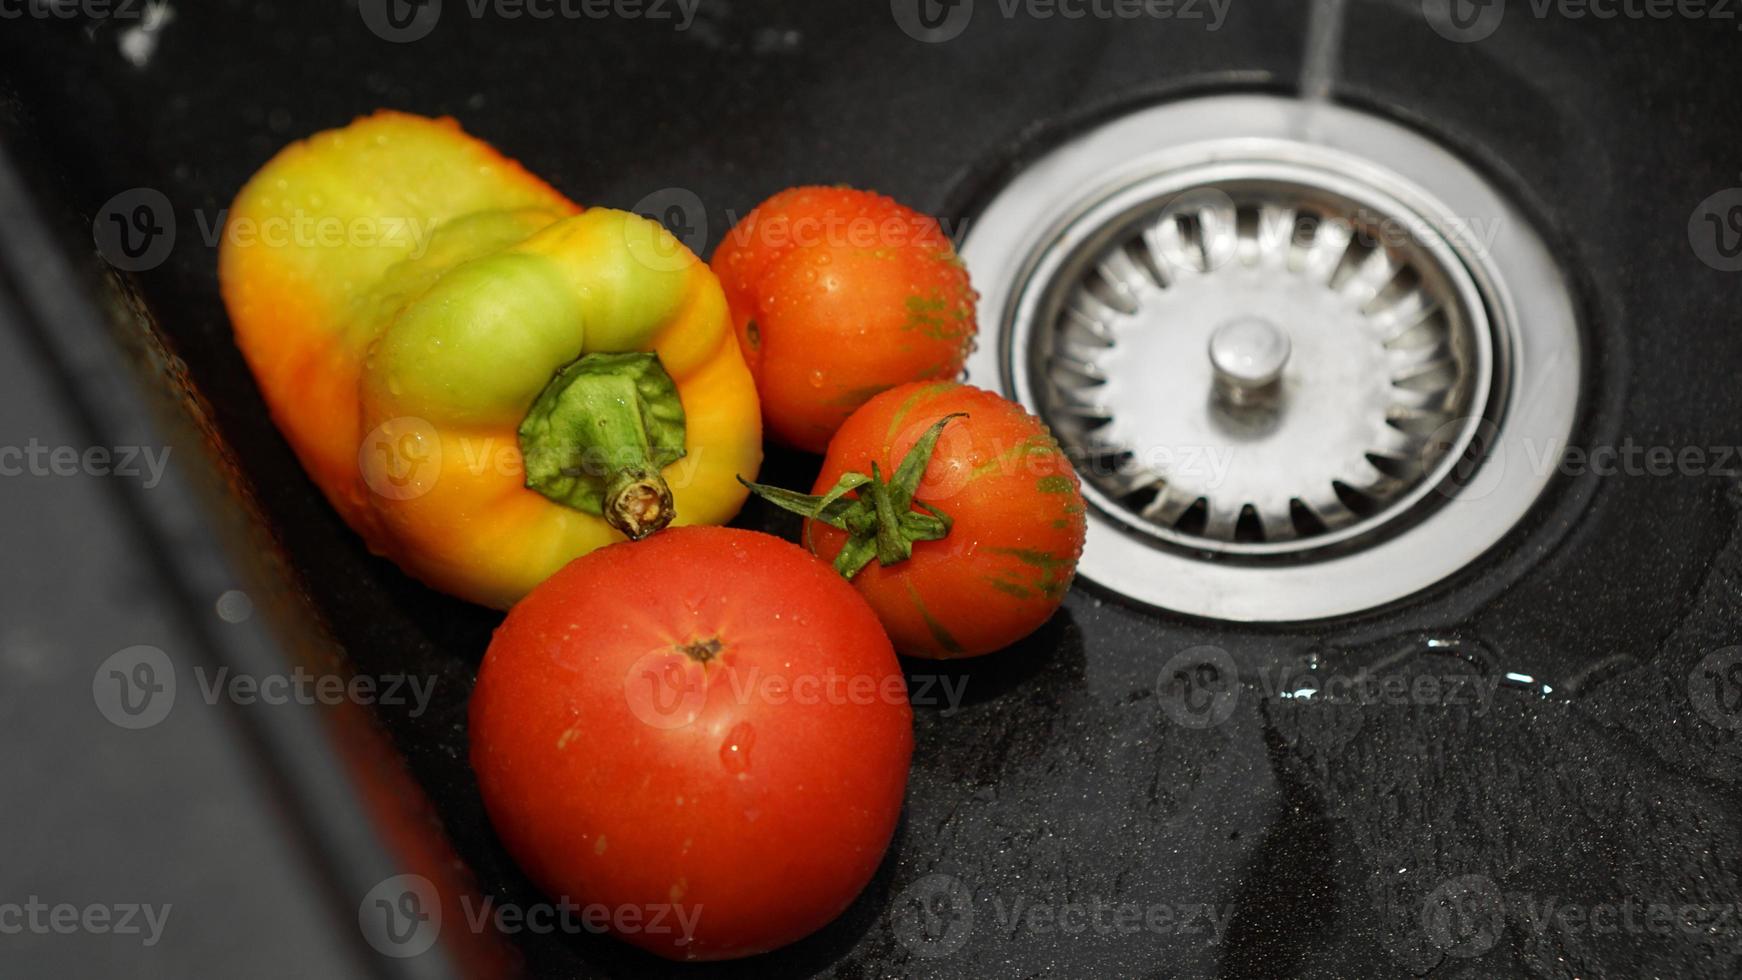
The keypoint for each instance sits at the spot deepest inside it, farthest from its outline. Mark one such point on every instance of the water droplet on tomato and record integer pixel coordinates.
(816, 379)
(735, 751)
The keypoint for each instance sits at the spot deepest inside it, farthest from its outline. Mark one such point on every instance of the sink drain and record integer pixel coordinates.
(1307, 361)
(1249, 358)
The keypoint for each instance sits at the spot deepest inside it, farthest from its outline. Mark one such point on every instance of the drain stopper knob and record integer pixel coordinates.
(1248, 355)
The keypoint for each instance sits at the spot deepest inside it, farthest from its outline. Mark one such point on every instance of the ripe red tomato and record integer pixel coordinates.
(1016, 513)
(838, 294)
(708, 726)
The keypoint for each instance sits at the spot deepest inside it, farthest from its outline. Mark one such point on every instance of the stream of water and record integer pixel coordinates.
(1324, 43)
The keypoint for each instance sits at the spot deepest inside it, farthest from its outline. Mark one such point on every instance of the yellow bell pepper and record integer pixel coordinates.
(486, 381)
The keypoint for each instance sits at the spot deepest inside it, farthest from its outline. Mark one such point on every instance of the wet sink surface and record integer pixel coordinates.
(1078, 778)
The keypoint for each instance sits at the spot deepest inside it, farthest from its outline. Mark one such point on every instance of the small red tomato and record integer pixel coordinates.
(708, 727)
(838, 294)
(991, 550)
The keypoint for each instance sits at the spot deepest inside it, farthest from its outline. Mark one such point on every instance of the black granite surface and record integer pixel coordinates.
(1487, 834)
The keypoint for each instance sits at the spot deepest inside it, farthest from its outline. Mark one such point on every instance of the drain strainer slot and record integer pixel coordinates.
(1295, 381)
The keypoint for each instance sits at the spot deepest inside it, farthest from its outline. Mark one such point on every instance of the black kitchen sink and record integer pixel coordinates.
(1573, 809)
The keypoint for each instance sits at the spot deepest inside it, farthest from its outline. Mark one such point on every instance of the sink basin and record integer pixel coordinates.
(1144, 787)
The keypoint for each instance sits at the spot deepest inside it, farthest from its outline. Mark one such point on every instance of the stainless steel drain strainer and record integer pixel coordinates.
(1307, 361)
(1259, 362)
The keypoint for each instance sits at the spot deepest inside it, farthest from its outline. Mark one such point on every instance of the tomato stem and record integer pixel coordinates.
(598, 435)
(702, 651)
(879, 517)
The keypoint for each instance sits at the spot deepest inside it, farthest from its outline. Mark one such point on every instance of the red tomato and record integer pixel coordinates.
(839, 294)
(709, 722)
(1016, 513)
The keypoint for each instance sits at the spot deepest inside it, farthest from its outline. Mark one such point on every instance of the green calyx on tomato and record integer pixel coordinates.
(598, 435)
(880, 520)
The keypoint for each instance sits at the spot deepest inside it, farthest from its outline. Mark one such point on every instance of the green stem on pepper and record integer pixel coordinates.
(598, 435)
